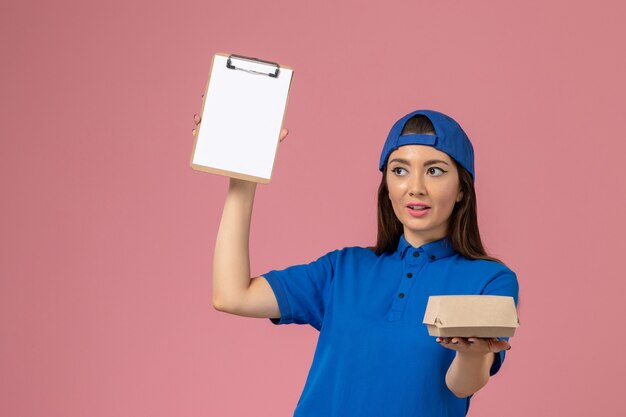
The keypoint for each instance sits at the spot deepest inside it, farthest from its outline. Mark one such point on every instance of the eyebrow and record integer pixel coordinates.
(429, 162)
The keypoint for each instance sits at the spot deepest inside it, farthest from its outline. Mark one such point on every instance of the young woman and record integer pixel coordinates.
(374, 356)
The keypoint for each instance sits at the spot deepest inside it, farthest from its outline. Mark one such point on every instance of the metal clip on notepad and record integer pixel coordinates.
(273, 74)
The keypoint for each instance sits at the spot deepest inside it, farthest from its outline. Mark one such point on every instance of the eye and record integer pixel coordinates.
(396, 168)
(442, 171)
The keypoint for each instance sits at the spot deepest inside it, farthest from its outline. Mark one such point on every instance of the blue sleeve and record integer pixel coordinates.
(503, 283)
(302, 291)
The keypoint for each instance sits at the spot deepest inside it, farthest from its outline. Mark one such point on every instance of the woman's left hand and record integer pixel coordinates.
(477, 345)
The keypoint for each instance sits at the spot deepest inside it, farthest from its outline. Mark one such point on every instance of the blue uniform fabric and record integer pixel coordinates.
(374, 357)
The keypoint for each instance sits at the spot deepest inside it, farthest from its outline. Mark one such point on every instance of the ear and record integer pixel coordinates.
(460, 197)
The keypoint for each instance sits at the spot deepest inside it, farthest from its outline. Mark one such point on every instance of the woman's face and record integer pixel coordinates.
(413, 177)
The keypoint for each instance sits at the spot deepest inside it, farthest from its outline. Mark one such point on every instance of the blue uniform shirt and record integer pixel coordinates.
(374, 357)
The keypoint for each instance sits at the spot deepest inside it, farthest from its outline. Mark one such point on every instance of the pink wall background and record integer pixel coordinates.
(108, 234)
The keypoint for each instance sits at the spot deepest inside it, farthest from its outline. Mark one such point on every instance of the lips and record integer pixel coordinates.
(416, 205)
(418, 213)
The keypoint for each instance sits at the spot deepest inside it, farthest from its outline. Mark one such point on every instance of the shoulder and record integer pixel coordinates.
(350, 257)
(493, 278)
(485, 273)
(482, 267)
(356, 252)
(351, 251)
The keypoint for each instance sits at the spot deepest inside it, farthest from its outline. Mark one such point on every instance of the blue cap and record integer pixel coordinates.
(449, 137)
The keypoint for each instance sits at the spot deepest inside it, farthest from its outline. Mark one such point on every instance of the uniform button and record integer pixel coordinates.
(401, 295)
(409, 275)
(416, 254)
(432, 257)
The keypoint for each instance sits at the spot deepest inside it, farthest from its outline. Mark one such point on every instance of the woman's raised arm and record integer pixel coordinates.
(233, 290)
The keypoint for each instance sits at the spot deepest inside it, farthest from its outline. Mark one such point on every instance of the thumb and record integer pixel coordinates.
(283, 134)
(496, 345)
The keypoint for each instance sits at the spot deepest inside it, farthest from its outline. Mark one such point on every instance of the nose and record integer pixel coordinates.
(417, 185)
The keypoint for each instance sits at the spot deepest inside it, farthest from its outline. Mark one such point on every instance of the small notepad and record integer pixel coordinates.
(241, 117)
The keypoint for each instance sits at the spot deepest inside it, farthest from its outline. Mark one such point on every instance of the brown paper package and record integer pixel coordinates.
(471, 316)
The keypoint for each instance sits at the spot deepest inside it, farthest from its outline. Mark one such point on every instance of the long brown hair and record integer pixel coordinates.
(463, 230)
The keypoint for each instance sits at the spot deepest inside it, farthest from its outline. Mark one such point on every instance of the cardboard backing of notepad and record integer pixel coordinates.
(471, 316)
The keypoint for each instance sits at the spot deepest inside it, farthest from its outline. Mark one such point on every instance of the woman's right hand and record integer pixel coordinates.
(283, 133)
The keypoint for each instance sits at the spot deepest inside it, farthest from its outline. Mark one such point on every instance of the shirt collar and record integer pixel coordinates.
(434, 250)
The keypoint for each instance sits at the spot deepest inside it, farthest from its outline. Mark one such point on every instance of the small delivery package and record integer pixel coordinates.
(471, 316)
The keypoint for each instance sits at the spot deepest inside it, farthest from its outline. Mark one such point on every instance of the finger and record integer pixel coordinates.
(460, 341)
(196, 118)
(499, 345)
(445, 342)
(455, 343)
(283, 134)
(496, 345)
(193, 132)
(481, 343)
